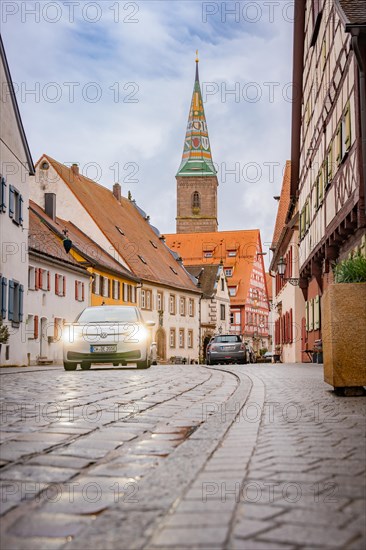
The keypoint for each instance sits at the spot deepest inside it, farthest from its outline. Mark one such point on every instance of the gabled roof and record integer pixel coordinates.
(206, 276)
(283, 205)
(353, 12)
(197, 158)
(127, 230)
(43, 241)
(94, 254)
(193, 246)
(16, 109)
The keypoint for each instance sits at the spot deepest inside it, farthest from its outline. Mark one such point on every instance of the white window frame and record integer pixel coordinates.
(181, 337)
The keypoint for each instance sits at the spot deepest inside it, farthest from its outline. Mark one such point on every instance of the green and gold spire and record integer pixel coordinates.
(196, 159)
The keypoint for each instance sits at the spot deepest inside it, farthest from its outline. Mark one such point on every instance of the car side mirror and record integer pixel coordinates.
(150, 323)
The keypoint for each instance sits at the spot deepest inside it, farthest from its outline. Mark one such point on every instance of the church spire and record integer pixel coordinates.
(196, 159)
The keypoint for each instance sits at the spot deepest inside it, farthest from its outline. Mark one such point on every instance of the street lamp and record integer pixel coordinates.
(281, 268)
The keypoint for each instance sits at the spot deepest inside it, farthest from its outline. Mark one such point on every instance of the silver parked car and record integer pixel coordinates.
(108, 334)
(226, 348)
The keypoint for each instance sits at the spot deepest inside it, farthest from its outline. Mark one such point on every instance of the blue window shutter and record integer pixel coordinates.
(4, 284)
(21, 293)
(11, 201)
(20, 210)
(3, 195)
(11, 301)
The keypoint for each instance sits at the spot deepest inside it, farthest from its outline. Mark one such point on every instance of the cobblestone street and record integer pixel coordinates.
(235, 457)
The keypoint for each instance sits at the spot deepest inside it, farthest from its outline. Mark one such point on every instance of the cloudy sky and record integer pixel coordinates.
(108, 85)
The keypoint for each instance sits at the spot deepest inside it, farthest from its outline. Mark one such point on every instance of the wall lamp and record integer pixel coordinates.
(281, 268)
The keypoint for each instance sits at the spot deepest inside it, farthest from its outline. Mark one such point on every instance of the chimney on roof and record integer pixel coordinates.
(50, 205)
(75, 168)
(117, 191)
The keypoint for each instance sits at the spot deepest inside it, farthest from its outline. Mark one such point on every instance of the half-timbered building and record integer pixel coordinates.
(328, 143)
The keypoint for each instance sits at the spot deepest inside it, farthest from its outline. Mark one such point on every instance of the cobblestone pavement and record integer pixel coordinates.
(236, 457)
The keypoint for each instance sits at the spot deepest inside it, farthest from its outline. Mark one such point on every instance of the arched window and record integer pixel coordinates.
(196, 200)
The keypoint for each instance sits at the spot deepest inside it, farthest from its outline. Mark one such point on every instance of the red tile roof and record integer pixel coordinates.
(142, 249)
(354, 11)
(193, 246)
(283, 205)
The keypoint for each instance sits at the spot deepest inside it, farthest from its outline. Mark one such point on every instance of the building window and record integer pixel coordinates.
(232, 290)
(191, 307)
(60, 285)
(96, 284)
(231, 253)
(3, 295)
(79, 291)
(142, 299)
(160, 301)
(228, 271)
(15, 205)
(196, 201)
(231, 318)
(31, 278)
(133, 294)
(183, 306)
(190, 338)
(125, 293)
(207, 254)
(172, 338)
(15, 302)
(104, 288)
(148, 300)
(222, 312)
(3, 195)
(172, 306)
(181, 337)
(116, 289)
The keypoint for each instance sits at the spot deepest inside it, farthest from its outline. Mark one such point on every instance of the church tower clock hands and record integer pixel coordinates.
(196, 178)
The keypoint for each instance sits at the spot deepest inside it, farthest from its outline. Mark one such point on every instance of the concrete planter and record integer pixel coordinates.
(344, 335)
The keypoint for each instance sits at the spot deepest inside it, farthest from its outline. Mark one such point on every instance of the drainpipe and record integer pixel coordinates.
(200, 355)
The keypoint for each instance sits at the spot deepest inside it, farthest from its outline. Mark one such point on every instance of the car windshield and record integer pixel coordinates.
(107, 314)
(229, 338)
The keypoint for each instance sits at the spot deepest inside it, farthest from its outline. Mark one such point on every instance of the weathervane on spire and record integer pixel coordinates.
(197, 60)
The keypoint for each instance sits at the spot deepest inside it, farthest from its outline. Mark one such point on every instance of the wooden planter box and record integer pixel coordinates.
(344, 335)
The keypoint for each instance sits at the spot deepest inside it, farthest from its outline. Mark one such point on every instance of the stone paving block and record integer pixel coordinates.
(250, 528)
(198, 520)
(49, 525)
(53, 459)
(35, 473)
(34, 543)
(308, 535)
(191, 537)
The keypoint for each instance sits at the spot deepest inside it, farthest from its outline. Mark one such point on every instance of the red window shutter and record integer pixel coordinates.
(76, 290)
(64, 286)
(82, 292)
(57, 290)
(109, 288)
(36, 278)
(48, 280)
(118, 290)
(35, 321)
(40, 276)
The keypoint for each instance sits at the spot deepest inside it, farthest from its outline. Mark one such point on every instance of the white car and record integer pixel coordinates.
(108, 334)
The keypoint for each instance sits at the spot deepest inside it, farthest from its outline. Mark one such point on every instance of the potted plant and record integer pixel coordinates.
(344, 327)
(4, 333)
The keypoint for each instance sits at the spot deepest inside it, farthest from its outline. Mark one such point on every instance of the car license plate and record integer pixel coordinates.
(227, 348)
(103, 349)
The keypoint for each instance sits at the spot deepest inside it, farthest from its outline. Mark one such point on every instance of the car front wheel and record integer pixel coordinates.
(70, 366)
(85, 366)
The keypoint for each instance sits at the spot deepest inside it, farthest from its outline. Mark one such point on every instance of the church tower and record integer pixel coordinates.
(196, 178)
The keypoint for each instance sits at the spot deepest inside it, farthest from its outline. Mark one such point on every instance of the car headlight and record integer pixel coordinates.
(72, 334)
(142, 334)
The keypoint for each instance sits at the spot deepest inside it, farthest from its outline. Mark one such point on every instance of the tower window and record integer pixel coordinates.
(196, 201)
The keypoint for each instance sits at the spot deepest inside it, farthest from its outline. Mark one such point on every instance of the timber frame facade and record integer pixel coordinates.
(328, 145)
